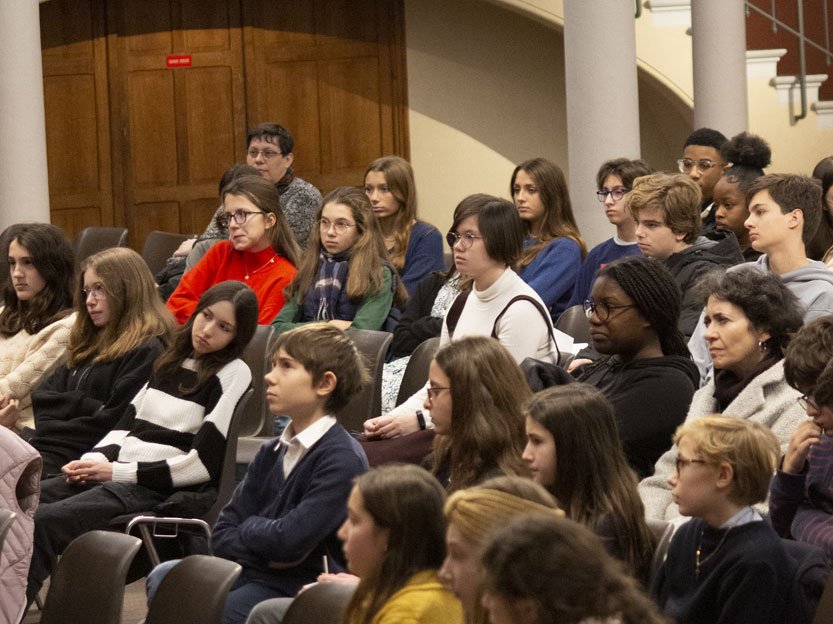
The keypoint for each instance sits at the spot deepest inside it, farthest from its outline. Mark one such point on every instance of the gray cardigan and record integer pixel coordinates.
(767, 400)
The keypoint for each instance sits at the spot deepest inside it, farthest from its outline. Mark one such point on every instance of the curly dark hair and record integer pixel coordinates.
(749, 155)
(656, 296)
(808, 361)
(765, 300)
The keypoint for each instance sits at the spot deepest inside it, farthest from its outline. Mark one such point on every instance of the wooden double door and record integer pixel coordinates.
(148, 101)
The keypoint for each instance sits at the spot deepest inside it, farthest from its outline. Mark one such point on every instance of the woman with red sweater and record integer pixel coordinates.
(261, 251)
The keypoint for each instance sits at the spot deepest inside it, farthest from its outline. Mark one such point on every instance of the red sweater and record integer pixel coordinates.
(223, 262)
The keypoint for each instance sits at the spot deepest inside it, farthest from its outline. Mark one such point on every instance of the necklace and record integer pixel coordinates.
(264, 265)
(697, 561)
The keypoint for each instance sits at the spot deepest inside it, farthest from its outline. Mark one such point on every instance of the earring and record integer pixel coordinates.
(762, 346)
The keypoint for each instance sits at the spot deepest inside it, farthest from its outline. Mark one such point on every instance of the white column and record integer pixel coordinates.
(24, 186)
(602, 100)
(718, 29)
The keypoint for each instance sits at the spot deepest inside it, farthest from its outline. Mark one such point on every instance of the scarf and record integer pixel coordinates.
(728, 385)
(332, 278)
(285, 181)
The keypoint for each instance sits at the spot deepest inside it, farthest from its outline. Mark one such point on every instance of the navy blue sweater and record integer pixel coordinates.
(279, 528)
(746, 579)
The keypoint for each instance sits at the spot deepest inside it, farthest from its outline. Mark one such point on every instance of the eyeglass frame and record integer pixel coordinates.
(254, 153)
(339, 226)
(98, 291)
(434, 391)
(679, 462)
(700, 164)
(452, 238)
(805, 401)
(591, 308)
(224, 220)
(621, 191)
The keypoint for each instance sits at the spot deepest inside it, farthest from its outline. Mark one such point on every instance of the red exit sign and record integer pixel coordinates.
(178, 60)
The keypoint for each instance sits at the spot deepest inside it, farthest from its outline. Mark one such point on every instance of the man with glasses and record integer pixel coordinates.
(667, 213)
(268, 150)
(801, 499)
(614, 179)
(702, 162)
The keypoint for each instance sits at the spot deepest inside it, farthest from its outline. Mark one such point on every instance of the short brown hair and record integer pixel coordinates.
(676, 195)
(322, 348)
(808, 361)
(749, 447)
(626, 169)
(790, 192)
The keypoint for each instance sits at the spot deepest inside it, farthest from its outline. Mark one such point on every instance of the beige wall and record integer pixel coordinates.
(486, 91)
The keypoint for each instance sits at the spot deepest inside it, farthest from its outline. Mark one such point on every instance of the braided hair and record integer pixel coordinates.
(656, 296)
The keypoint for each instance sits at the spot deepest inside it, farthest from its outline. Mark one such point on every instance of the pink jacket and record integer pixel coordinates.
(20, 468)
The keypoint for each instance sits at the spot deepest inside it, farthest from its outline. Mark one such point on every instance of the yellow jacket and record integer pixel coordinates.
(422, 600)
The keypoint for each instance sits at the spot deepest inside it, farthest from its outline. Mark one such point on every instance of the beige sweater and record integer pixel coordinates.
(26, 359)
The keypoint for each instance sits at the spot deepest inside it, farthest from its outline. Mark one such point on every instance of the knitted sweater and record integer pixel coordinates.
(168, 440)
(26, 359)
(801, 505)
(767, 399)
(278, 527)
(223, 262)
(744, 579)
(422, 600)
(552, 273)
(76, 407)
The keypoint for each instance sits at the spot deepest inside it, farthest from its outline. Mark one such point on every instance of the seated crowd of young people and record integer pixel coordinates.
(703, 399)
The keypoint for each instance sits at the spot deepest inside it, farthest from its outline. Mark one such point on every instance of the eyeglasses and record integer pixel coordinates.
(339, 226)
(704, 164)
(602, 310)
(466, 240)
(96, 290)
(805, 401)
(680, 462)
(267, 154)
(240, 217)
(434, 391)
(615, 193)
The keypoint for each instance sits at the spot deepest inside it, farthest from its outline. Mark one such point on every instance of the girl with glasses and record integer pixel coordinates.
(553, 247)
(646, 372)
(171, 436)
(415, 247)
(614, 179)
(36, 316)
(476, 394)
(749, 319)
(120, 328)
(260, 251)
(347, 281)
(486, 239)
(573, 450)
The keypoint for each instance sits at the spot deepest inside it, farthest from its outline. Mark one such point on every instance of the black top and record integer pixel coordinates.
(417, 325)
(744, 579)
(650, 397)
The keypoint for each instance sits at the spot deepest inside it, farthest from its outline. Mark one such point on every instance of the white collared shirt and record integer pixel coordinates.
(297, 446)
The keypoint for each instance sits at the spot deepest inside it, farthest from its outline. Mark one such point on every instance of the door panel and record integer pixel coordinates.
(133, 142)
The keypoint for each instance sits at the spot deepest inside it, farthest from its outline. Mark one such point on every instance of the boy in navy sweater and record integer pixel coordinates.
(727, 565)
(282, 519)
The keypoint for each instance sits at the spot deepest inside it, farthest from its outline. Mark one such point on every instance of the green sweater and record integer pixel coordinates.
(371, 313)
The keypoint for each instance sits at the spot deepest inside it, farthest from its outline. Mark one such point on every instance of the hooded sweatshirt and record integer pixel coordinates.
(689, 265)
(812, 284)
(650, 397)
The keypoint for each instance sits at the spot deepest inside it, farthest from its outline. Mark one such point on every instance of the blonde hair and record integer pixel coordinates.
(479, 511)
(749, 447)
(399, 177)
(137, 313)
(676, 195)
